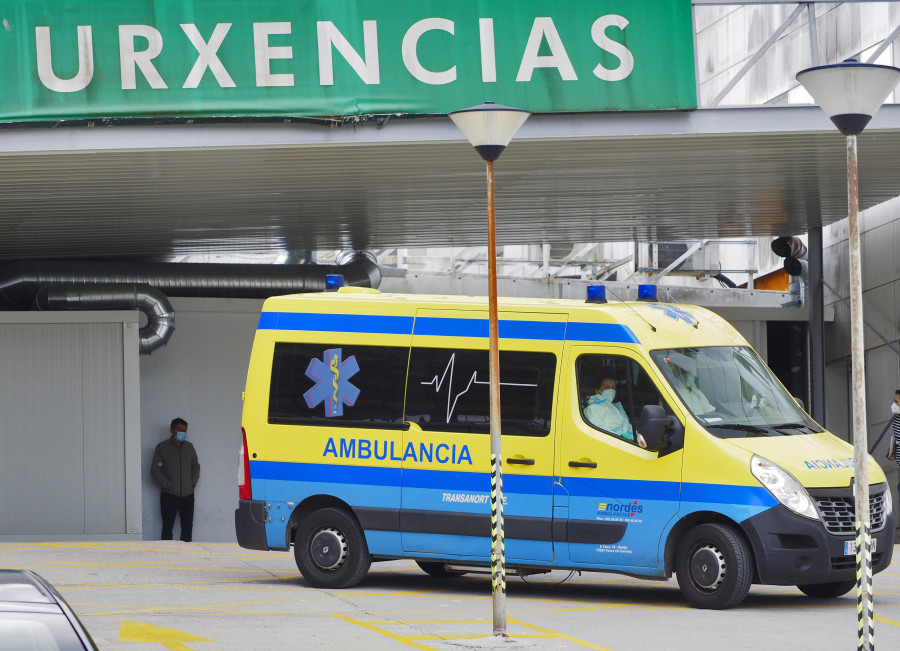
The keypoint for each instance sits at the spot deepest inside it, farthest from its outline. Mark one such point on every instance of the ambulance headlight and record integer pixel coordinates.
(784, 488)
(888, 502)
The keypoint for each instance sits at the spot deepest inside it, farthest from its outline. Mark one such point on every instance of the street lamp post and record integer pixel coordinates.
(850, 93)
(490, 127)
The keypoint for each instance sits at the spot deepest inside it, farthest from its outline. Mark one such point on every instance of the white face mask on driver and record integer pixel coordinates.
(609, 394)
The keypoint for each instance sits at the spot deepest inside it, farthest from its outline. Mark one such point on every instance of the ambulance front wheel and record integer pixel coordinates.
(714, 566)
(330, 549)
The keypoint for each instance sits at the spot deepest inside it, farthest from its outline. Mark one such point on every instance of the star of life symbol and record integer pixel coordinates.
(332, 377)
(675, 313)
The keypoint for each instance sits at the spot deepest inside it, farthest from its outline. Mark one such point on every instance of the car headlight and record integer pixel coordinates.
(784, 487)
(888, 502)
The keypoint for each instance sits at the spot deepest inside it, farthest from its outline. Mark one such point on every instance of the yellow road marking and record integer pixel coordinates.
(403, 639)
(225, 607)
(885, 620)
(168, 637)
(412, 640)
(561, 636)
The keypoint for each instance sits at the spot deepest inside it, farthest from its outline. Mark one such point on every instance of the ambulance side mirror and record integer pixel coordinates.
(652, 427)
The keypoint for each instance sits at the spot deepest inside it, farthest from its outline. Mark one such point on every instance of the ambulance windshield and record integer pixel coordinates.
(732, 392)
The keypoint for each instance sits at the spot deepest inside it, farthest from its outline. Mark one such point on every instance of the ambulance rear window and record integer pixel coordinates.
(341, 385)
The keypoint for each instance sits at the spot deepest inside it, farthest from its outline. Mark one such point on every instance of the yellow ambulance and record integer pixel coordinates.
(643, 438)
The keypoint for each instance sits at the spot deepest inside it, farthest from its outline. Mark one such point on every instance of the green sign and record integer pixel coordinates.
(71, 59)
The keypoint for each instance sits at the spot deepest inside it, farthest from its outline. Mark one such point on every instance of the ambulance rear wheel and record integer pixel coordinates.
(831, 590)
(330, 549)
(714, 567)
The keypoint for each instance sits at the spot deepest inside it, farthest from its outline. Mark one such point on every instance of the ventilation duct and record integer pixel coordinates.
(147, 299)
(109, 284)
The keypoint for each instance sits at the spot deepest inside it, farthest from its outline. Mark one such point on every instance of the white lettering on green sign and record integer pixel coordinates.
(330, 38)
(332, 57)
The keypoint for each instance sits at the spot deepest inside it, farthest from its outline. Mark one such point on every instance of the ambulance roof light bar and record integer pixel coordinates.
(596, 294)
(647, 293)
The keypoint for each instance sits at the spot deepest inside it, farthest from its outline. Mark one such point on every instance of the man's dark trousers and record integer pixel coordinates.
(170, 505)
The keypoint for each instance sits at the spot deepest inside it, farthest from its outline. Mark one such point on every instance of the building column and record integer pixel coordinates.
(816, 302)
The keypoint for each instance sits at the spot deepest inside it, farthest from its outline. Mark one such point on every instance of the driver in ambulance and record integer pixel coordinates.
(602, 412)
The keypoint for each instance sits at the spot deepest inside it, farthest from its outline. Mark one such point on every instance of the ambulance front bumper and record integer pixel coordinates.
(250, 524)
(793, 550)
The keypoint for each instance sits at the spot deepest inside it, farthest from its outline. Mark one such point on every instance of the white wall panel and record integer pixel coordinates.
(62, 459)
(878, 260)
(104, 423)
(41, 431)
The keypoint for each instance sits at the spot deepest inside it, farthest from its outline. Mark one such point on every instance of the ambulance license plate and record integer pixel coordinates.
(850, 547)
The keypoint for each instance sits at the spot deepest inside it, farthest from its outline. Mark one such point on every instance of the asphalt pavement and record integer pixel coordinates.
(196, 596)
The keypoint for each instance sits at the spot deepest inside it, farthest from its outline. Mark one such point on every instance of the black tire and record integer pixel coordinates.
(831, 590)
(330, 549)
(714, 567)
(437, 570)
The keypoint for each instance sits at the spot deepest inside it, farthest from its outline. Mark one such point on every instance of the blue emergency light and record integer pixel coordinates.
(333, 282)
(647, 293)
(596, 294)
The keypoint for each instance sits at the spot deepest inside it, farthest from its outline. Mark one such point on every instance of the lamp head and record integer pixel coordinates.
(850, 93)
(489, 127)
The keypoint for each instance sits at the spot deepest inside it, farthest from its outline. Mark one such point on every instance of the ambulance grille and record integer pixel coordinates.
(838, 513)
(849, 562)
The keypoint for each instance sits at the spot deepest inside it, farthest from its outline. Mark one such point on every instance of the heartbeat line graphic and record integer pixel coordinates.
(437, 383)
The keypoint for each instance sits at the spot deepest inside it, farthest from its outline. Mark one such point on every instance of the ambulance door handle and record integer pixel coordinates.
(520, 461)
(582, 464)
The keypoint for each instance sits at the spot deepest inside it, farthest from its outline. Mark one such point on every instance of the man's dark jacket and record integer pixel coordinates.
(174, 468)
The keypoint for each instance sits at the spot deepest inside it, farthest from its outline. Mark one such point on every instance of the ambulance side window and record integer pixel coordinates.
(615, 412)
(340, 385)
(448, 391)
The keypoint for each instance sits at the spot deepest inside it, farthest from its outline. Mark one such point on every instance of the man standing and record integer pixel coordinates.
(893, 451)
(176, 469)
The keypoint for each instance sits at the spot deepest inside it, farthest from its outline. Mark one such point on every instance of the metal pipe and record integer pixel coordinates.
(498, 553)
(119, 285)
(20, 281)
(149, 300)
(860, 451)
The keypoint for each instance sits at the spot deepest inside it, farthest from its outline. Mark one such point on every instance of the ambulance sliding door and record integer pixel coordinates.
(446, 482)
(622, 499)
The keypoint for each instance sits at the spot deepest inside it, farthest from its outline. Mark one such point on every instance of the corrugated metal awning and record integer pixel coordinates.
(131, 190)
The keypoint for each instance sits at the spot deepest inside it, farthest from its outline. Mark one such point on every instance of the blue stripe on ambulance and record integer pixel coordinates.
(645, 509)
(462, 500)
(314, 322)
(589, 500)
(450, 327)
(446, 327)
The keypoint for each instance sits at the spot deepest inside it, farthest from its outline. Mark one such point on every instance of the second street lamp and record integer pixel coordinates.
(490, 127)
(850, 93)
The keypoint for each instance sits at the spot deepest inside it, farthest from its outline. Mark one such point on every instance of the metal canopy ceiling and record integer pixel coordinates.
(158, 191)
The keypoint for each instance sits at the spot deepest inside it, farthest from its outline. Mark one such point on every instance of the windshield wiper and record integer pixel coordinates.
(793, 426)
(742, 428)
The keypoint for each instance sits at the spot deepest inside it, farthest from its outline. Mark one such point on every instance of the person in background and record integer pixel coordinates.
(602, 412)
(893, 452)
(176, 469)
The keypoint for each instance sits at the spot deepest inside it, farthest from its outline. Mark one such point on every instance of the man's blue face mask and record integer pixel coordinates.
(180, 436)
